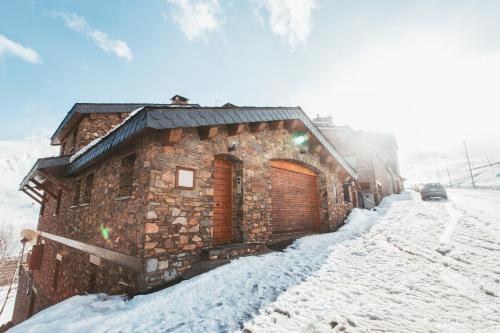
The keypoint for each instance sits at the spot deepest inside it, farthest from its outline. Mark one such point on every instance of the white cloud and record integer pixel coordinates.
(102, 39)
(291, 20)
(197, 18)
(118, 47)
(8, 46)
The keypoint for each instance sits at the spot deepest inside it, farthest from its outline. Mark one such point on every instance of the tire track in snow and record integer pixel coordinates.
(404, 285)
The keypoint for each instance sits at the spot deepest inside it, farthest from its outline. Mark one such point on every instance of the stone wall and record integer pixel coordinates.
(23, 295)
(370, 167)
(179, 222)
(90, 127)
(119, 218)
(169, 228)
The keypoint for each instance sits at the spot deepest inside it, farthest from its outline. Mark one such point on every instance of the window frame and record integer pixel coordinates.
(346, 189)
(58, 203)
(87, 191)
(57, 273)
(121, 187)
(181, 168)
(77, 192)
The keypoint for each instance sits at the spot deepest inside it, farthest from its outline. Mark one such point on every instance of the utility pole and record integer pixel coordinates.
(448, 171)
(468, 162)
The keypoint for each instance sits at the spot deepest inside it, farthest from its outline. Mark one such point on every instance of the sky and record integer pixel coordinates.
(428, 71)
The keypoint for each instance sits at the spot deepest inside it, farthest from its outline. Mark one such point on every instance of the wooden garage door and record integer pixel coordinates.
(295, 202)
(222, 202)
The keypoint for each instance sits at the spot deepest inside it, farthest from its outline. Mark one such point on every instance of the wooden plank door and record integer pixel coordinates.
(222, 202)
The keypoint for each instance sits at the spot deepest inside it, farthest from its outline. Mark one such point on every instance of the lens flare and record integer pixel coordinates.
(299, 138)
(104, 232)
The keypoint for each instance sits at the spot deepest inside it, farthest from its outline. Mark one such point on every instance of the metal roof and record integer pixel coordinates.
(44, 163)
(86, 108)
(151, 117)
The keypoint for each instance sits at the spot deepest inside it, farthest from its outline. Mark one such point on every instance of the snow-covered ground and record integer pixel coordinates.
(411, 266)
(425, 267)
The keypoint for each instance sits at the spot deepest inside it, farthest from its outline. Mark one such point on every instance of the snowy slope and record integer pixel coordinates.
(425, 267)
(217, 301)
(16, 159)
(427, 167)
(411, 266)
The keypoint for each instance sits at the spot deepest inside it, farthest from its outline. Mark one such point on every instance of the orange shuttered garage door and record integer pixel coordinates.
(295, 204)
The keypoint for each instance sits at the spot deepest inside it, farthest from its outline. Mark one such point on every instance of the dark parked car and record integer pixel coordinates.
(433, 190)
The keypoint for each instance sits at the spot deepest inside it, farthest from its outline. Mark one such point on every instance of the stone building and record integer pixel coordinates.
(142, 195)
(373, 155)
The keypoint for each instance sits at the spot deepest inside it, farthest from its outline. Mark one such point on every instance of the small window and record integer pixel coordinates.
(58, 202)
(347, 192)
(92, 282)
(89, 182)
(127, 176)
(42, 206)
(57, 272)
(74, 138)
(31, 307)
(364, 186)
(184, 178)
(76, 197)
(63, 148)
(334, 193)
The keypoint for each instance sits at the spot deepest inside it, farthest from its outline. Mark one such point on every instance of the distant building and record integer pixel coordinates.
(143, 194)
(373, 155)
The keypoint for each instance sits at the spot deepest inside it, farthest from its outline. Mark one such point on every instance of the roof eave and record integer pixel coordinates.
(143, 120)
(43, 164)
(56, 137)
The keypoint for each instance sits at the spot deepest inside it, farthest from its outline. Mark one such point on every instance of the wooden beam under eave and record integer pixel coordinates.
(235, 129)
(32, 196)
(207, 132)
(34, 191)
(54, 180)
(275, 125)
(171, 136)
(292, 125)
(316, 147)
(44, 188)
(325, 159)
(257, 127)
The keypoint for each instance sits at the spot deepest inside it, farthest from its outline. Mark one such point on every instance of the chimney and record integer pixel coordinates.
(179, 100)
(324, 121)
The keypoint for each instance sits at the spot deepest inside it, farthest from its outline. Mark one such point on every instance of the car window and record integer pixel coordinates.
(431, 185)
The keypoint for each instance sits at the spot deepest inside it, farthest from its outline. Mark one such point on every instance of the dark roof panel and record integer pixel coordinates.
(167, 118)
(86, 108)
(44, 163)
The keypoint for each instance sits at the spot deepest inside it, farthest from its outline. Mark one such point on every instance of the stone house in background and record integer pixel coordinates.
(373, 155)
(143, 194)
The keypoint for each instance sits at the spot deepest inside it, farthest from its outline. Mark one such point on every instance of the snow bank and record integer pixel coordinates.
(217, 301)
(396, 278)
